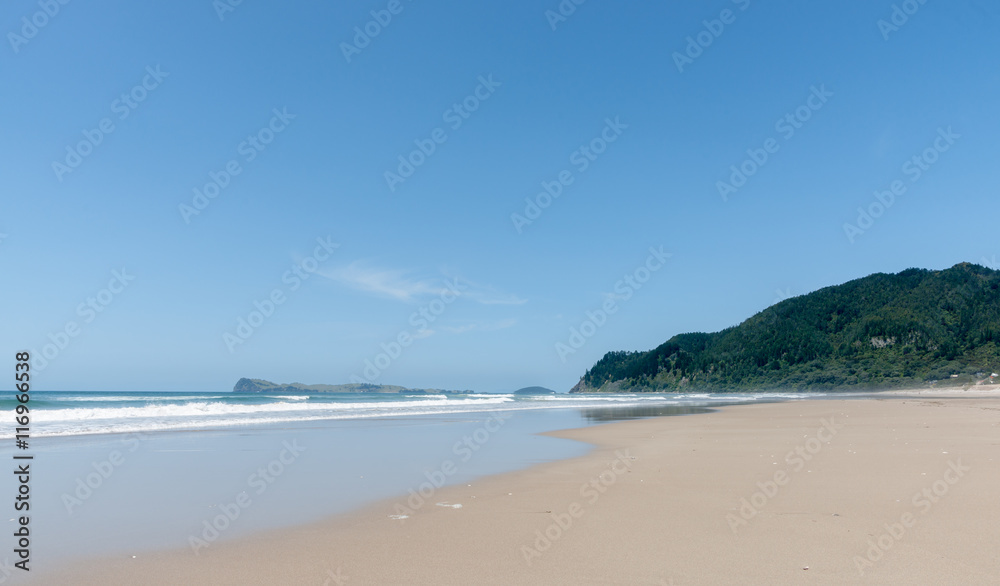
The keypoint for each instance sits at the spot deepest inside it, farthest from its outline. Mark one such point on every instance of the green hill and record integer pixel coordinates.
(911, 329)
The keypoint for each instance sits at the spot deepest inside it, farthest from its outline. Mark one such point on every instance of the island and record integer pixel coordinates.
(915, 329)
(256, 385)
(534, 391)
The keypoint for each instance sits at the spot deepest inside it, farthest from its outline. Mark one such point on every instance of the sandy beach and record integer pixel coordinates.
(892, 490)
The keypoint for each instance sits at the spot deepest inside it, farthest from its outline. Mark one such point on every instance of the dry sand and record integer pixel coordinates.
(670, 511)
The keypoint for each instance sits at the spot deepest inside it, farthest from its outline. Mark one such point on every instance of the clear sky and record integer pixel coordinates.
(114, 113)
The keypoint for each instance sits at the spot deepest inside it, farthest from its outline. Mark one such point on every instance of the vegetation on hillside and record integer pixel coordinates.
(883, 331)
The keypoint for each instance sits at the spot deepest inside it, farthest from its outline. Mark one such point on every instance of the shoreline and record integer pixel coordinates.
(975, 391)
(644, 506)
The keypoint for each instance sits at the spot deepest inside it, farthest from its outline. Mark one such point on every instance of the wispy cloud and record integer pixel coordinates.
(480, 326)
(408, 287)
(384, 282)
(488, 295)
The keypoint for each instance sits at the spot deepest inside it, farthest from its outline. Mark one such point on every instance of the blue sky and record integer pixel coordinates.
(607, 71)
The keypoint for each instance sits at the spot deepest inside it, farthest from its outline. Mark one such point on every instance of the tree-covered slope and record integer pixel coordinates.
(882, 331)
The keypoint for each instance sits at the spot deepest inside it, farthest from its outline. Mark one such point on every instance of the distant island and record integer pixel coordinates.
(918, 328)
(534, 391)
(256, 385)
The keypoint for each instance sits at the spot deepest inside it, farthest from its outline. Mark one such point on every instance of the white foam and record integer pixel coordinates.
(209, 411)
(202, 408)
(131, 398)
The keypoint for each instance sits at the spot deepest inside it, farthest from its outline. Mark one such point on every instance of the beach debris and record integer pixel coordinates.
(806, 568)
(449, 505)
(399, 517)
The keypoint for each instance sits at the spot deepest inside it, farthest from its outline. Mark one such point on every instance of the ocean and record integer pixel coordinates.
(57, 413)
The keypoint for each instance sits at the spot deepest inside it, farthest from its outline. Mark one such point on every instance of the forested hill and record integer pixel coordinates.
(882, 331)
